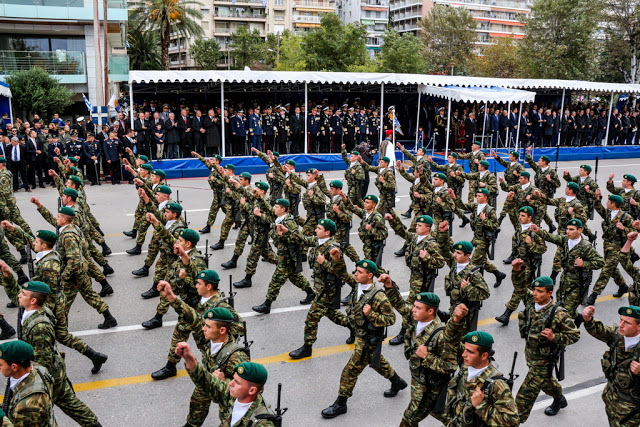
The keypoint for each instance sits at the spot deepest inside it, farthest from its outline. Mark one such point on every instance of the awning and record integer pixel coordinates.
(479, 94)
(4, 90)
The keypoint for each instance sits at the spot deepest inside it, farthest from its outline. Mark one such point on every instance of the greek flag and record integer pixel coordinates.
(87, 103)
(396, 125)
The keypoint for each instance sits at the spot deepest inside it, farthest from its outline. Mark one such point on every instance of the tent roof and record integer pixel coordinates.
(479, 94)
(4, 90)
(323, 77)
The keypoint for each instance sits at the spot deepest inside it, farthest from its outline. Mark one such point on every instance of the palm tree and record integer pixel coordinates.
(144, 49)
(167, 16)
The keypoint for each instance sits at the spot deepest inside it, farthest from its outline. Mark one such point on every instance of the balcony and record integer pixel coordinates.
(240, 3)
(232, 16)
(118, 68)
(49, 10)
(314, 5)
(306, 19)
(68, 67)
(396, 5)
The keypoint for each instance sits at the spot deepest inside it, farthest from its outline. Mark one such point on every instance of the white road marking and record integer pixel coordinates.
(573, 395)
(188, 210)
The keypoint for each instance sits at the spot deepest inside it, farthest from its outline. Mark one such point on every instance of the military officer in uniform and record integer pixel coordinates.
(255, 129)
(325, 131)
(269, 128)
(91, 153)
(349, 129)
(111, 149)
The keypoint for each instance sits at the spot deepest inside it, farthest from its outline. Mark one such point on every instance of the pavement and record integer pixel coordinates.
(123, 393)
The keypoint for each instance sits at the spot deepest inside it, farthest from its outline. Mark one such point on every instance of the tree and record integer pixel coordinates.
(35, 91)
(559, 41)
(206, 53)
(143, 50)
(292, 55)
(614, 60)
(402, 54)
(247, 47)
(498, 60)
(167, 17)
(621, 52)
(448, 34)
(335, 46)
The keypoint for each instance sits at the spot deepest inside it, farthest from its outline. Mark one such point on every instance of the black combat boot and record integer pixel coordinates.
(264, 308)
(23, 256)
(106, 250)
(218, 246)
(621, 291)
(398, 339)
(109, 321)
(508, 260)
(501, 219)
(107, 270)
(505, 317)
(500, 276)
(99, 230)
(232, 263)
(591, 299)
(352, 336)
(555, 407)
(7, 330)
(304, 351)
(401, 251)
(22, 278)
(553, 276)
(310, 297)
(244, 283)
(407, 214)
(465, 221)
(141, 272)
(346, 300)
(97, 358)
(552, 228)
(151, 293)
(633, 257)
(339, 407)
(133, 233)
(10, 304)
(304, 257)
(169, 370)
(136, 250)
(205, 229)
(154, 322)
(106, 288)
(397, 384)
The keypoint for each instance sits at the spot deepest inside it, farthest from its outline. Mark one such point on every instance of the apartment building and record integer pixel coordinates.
(374, 14)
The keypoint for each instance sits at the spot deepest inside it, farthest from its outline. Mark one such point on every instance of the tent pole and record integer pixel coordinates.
(131, 104)
(306, 105)
(506, 143)
(11, 111)
(223, 142)
(381, 115)
(418, 117)
(484, 122)
(561, 116)
(446, 150)
(518, 116)
(606, 138)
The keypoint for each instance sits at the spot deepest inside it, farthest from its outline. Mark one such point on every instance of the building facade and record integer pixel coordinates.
(373, 14)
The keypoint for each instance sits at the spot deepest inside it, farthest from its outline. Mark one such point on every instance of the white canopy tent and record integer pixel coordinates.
(6, 91)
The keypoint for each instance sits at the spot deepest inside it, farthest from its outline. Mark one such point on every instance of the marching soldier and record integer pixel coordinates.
(231, 204)
(628, 193)
(546, 327)
(386, 183)
(217, 185)
(372, 231)
(420, 195)
(588, 186)
(275, 175)
(522, 194)
(292, 187)
(341, 216)
(546, 179)
(478, 180)
(244, 195)
(354, 174)
(475, 157)
(441, 203)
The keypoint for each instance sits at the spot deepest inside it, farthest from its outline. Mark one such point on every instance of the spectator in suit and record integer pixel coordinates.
(141, 126)
(124, 123)
(164, 115)
(34, 153)
(212, 139)
(197, 129)
(296, 123)
(495, 126)
(172, 137)
(470, 129)
(128, 142)
(118, 129)
(548, 128)
(17, 163)
(503, 126)
(185, 131)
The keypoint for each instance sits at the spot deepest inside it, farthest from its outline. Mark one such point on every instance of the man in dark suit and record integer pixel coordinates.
(470, 129)
(128, 142)
(18, 163)
(34, 153)
(196, 130)
(172, 138)
(296, 121)
(504, 126)
(185, 131)
(141, 126)
(154, 125)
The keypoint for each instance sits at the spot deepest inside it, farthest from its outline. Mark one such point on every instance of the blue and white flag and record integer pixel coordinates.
(87, 103)
(396, 125)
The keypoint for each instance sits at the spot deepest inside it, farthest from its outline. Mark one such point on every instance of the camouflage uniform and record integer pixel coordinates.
(342, 220)
(634, 211)
(355, 177)
(444, 209)
(5, 252)
(490, 183)
(571, 281)
(141, 224)
(522, 197)
(531, 254)
(261, 245)
(431, 374)
(158, 245)
(231, 208)
(372, 240)
(314, 205)
(455, 182)
(497, 409)
(481, 230)
(275, 179)
(218, 391)
(38, 330)
(540, 352)
(386, 189)
(620, 395)
(245, 210)
(420, 206)
(8, 201)
(511, 179)
(548, 188)
(587, 198)
(31, 404)
(418, 161)
(291, 189)
(217, 185)
(473, 166)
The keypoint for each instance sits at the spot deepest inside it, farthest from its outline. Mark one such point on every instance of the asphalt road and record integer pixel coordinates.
(123, 393)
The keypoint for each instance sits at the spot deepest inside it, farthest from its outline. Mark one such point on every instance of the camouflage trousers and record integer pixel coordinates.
(387, 202)
(229, 220)
(92, 269)
(152, 250)
(285, 269)
(320, 307)
(255, 253)
(83, 285)
(92, 219)
(617, 407)
(473, 189)
(139, 214)
(199, 404)
(572, 294)
(63, 336)
(309, 224)
(544, 215)
(65, 398)
(509, 209)
(348, 250)
(537, 379)
(241, 239)
(213, 210)
(481, 255)
(521, 281)
(97, 255)
(162, 267)
(142, 232)
(95, 235)
(181, 333)
(16, 218)
(421, 404)
(7, 256)
(613, 257)
(354, 196)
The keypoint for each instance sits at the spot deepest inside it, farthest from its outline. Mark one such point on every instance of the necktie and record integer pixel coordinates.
(15, 153)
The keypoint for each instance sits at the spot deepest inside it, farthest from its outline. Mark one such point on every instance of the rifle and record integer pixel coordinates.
(558, 155)
(277, 420)
(429, 277)
(178, 197)
(232, 294)
(380, 248)
(448, 216)
(206, 253)
(492, 237)
(375, 337)
(247, 343)
(512, 376)
(557, 355)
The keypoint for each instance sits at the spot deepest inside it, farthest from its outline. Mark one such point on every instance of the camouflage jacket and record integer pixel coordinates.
(473, 156)
(489, 179)
(480, 227)
(389, 184)
(586, 197)
(314, 200)
(571, 273)
(325, 274)
(521, 195)
(475, 291)
(509, 176)
(418, 161)
(381, 314)
(530, 253)
(168, 237)
(226, 359)
(562, 214)
(634, 211)
(71, 253)
(418, 205)
(547, 187)
(291, 187)
(38, 330)
(32, 401)
(378, 230)
(275, 176)
(341, 218)
(613, 237)
(432, 261)
(457, 181)
(354, 173)
(446, 205)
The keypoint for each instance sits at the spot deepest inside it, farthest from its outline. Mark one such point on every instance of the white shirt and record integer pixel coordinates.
(572, 242)
(216, 346)
(321, 241)
(336, 197)
(475, 152)
(63, 227)
(362, 289)
(540, 307)
(421, 238)
(169, 224)
(626, 190)
(614, 213)
(483, 173)
(524, 227)
(311, 184)
(280, 219)
(544, 169)
(460, 267)
(513, 163)
(13, 382)
(582, 178)
(524, 187)
(417, 180)
(473, 372)
(570, 198)
(203, 300)
(630, 342)
(367, 215)
(26, 315)
(239, 409)
(421, 326)
(42, 254)
(161, 205)
(352, 164)
(480, 208)
(437, 189)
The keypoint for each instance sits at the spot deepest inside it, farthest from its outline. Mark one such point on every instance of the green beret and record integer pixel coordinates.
(543, 282)
(368, 265)
(311, 170)
(464, 246)
(73, 160)
(2, 414)
(526, 209)
(275, 153)
(586, 167)
(573, 186)
(74, 169)
(190, 235)
(628, 310)
(246, 175)
(328, 225)
(454, 155)
(545, 159)
(47, 235)
(262, 185)
(616, 199)
(219, 314)
(441, 176)
(66, 210)
(630, 178)
(575, 222)
(3, 160)
(386, 159)
(37, 286)
(174, 207)
(478, 143)
(355, 153)
(425, 219)
(515, 154)
(481, 338)
(163, 189)
(484, 163)
(252, 372)
(143, 158)
(70, 192)
(525, 174)
(209, 276)
(160, 173)
(483, 191)
(230, 167)
(16, 351)
(428, 298)
(371, 197)
(146, 166)
(290, 162)
(217, 157)
(335, 184)
(76, 180)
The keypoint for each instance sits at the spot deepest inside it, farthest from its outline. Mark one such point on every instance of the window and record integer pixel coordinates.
(205, 25)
